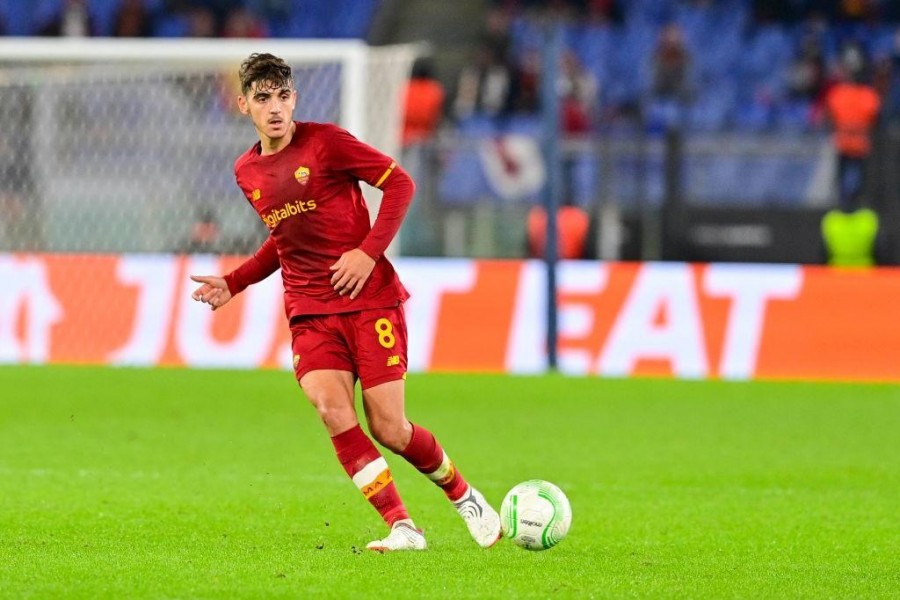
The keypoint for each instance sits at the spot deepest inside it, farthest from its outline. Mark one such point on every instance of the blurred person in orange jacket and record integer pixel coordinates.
(423, 104)
(853, 108)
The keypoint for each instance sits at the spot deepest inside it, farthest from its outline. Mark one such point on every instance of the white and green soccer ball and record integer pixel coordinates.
(536, 515)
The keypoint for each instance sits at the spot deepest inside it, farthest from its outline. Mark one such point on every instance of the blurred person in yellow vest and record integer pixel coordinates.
(850, 238)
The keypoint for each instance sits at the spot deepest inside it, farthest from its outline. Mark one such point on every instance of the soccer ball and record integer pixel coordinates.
(535, 515)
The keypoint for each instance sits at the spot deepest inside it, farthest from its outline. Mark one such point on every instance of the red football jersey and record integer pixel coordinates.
(309, 197)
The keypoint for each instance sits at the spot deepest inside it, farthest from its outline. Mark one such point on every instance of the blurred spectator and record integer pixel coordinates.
(891, 69)
(670, 64)
(204, 235)
(670, 90)
(218, 8)
(132, 20)
(241, 22)
(72, 20)
(423, 104)
(578, 92)
(856, 10)
(853, 107)
(201, 23)
(807, 77)
(807, 73)
(578, 89)
(603, 12)
(495, 35)
(525, 92)
(484, 86)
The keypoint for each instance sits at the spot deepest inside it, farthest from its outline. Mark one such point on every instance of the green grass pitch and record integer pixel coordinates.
(169, 483)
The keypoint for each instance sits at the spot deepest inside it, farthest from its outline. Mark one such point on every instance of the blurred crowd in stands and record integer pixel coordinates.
(702, 64)
(705, 65)
(188, 18)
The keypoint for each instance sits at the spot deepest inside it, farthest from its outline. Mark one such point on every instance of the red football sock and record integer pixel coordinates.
(369, 471)
(425, 454)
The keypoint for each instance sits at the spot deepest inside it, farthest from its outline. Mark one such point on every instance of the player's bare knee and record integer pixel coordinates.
(392, 435)
(335, 418)
(389, 440)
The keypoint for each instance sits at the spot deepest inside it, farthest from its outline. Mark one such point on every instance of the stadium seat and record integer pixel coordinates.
(793, 115)
(353, 18)
(656, 12)
(17, 17)
(594, 47)
(171, 26)
(525, 37)
(712, 109)
(462, 180)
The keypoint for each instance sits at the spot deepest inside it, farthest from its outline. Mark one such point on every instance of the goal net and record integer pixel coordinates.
(128, 145)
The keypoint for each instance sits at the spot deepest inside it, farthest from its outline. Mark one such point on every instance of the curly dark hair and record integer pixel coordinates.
(265, 68)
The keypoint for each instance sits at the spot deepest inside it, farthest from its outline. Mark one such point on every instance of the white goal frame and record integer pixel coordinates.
(372, 78)
(356, 59)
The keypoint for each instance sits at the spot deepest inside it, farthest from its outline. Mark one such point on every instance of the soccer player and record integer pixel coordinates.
(342, 297)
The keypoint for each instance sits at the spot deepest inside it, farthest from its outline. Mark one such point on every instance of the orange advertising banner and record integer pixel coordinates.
(718, 321)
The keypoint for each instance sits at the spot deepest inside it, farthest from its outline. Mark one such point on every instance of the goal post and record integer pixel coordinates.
(122, 145)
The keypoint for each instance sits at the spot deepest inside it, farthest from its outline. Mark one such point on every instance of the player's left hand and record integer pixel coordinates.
(351, 271)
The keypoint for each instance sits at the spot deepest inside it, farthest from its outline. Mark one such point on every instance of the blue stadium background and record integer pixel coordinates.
(747, 137)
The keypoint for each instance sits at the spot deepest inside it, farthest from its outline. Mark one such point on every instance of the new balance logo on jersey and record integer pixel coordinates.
(393, 361)
(290, 209)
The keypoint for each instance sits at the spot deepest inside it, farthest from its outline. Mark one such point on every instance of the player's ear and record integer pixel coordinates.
(242, 105)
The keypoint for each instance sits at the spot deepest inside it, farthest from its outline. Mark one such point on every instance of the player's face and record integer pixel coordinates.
(271, 108)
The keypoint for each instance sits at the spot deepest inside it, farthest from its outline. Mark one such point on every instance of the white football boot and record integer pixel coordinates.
(481, 519)
(403, 536)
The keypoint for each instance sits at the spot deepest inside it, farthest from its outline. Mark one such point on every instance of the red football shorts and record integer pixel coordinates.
(371, 344)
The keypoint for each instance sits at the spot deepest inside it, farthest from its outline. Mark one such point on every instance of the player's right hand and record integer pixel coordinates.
(214, 290)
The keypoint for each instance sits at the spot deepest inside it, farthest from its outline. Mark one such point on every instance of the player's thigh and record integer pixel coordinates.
(379, 346)
(323, 365)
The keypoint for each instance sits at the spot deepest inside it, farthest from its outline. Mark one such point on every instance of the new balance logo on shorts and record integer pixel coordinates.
(393, 361)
